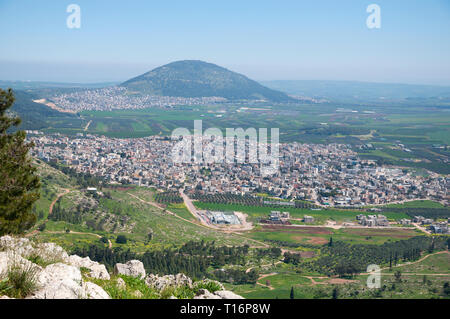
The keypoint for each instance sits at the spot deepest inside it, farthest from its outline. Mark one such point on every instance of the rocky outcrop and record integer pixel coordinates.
(133, 268)
(219, 294)
(96, 270)
(56, 275)
(19, 246)
(61, 281)
(161, 283)
(225, 294)
(181, 280)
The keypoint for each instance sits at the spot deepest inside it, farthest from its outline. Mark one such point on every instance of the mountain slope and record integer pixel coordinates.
(200, 79)
(34, 116)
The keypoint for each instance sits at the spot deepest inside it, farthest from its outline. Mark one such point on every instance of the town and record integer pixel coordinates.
(110, 98)
(327, 175)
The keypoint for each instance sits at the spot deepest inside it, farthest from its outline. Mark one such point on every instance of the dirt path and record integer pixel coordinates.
(413, 262)
(66, 190)
(50, 210)
(264, 276)
(87, 125)
(421, 228)
(245, 226)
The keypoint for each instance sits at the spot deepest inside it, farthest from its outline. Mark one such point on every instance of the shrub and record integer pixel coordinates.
(20, 281)
(210, 285)
(121, 239)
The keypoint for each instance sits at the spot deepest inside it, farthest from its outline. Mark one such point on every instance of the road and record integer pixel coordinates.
(415, 262)
(87, 125)
(244, 226)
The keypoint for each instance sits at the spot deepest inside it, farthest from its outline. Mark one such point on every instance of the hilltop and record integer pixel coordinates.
(191, 78)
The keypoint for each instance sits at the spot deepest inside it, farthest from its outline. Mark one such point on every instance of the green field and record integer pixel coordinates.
(422, 279)
(320, 216)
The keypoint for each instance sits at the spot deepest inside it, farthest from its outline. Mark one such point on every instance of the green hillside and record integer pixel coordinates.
(200, 79)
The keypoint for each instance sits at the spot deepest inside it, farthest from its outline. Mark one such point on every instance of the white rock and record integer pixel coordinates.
(59, 281)
(205, 294)
(160, 283)
(9, 259)
(96, 270)
(225, 294)
(20, 246)
(93, 291)
(120, 283)
(133, 268)
(51, 252)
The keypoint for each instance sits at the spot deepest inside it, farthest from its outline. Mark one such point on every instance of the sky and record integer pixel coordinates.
(265, 40)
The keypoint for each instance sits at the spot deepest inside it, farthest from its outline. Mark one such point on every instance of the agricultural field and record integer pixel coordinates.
(321, 235)
(422, 279)
(320, 216)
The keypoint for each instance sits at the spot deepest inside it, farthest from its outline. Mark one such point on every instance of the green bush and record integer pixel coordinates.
(20, 281)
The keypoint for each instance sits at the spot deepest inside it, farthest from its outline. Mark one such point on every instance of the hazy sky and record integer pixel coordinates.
(265, 40)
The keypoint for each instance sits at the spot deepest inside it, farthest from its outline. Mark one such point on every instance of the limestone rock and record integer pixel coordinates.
(96, 270)
(205, 294)
(9, 259)
(93, 291)
(51, 252)
(133, 268)
(160, 283)
(20, 246)
(120, 283)
(61, 281)
(225, 294)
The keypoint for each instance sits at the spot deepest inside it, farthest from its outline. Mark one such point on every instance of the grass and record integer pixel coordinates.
(320, 216)
(135, 288)
(319, 236)
(20, 281)
(424, 279)
(435, 264)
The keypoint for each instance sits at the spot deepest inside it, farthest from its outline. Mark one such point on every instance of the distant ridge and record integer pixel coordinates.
(193, 78)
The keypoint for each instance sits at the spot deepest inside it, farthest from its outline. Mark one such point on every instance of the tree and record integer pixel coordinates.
(292, 293)
(446, 289)
(19, 186)
(398, 276)
(335, 293)
(121, 239)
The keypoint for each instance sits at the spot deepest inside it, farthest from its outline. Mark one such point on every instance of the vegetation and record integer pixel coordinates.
(19, 186)
(20, 281)
(200, 79)
(168, 197)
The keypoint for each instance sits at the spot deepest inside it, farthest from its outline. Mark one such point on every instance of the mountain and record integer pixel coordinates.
(192, 78)
(34, 116)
